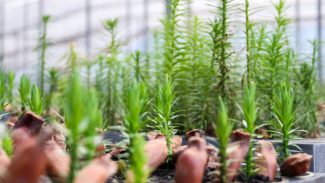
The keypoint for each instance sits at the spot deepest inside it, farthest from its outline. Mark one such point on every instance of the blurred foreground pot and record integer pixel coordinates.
(28, 163)
(296, 165)
(98, 171)
(266, 161)
(192, 162)
(31, 122)
(156, 151)
(237, 151)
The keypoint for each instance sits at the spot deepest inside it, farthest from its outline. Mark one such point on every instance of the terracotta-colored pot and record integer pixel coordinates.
(266, 159)
(30, 121)
(192, 162)
(237, 151)
(28, 163)
(156, 151)
(296, 165)
(194, 133)
(99, 171)
(58, 162)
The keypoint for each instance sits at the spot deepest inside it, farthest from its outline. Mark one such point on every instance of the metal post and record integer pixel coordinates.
(320, 36)
(146, 24)
(298, 19)
(2, 31)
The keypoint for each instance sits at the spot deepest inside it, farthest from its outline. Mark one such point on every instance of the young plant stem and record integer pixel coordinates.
(43, 45)
(247, 32)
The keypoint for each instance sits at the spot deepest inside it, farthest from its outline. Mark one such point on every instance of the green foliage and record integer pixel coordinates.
(82, 118)
(24, 91)
(223, 129)
(43, 46)
(7, 144)
(3, 87)
(10, 88)
(165, 100)
(284, 118)
(138, 160)
(306, 98)
(53, 80)
(36, 102)
(249, 109)
(135, 105)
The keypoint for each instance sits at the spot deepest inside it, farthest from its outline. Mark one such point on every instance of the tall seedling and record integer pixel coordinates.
(223, 129)
(24, 91)
(135, 103)
(249, 110)
(43, 46)
(284, 118)
(165, 100)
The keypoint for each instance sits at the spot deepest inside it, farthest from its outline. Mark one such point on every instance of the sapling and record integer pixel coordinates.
(74, 110)
(134, 113)
(249, 110)
(2, 91)
(24, 91)
(137, 58)
(36, 102)
(7, 144)
(10, 84)
(284, 118)
(165, 100)
(223, 130)
(53, 79)
(43, 46)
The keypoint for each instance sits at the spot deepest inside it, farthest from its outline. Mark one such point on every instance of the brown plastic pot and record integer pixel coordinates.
(192, 162)
(30, 121)
(296, 165)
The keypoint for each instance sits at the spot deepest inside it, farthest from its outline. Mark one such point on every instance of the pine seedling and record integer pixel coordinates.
(2, 91)
(223, 130)
(137, 58)
(74, 110)
(249, 110)
(10, 84)
(135, 104)
(248, 29)
(134, 113)
(53, 80)
(165, 100)
(43, 46)
(36, 100)
(24, 91)
(284, 118)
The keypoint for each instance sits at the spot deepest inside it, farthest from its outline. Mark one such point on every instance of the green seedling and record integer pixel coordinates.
(53, 80)
(36, 102)
(249, 109)
(223, 130)
(24, 91)
(10, 84)
(165, 100)
(43, 46)
(2, 91)
(7, 144)
(284, 118)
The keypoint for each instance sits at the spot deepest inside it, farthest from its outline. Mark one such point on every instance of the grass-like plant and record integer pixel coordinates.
(284, 118)
(135, 102)
(43, 47)
(248, 30)
(36, 102)
(24, 91)
(2, 90)
(249, 109)
(10, 84)
(165, 100)
(223, 130)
